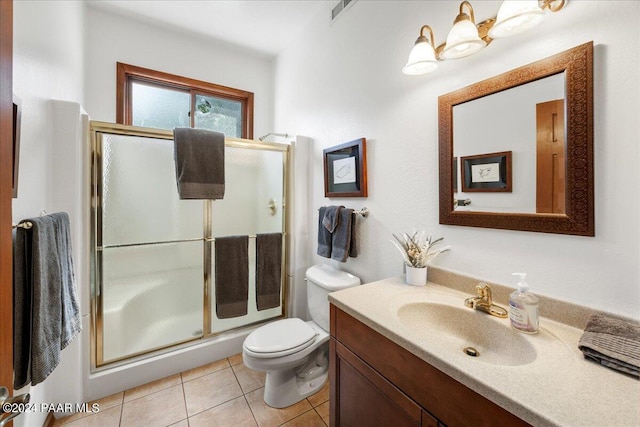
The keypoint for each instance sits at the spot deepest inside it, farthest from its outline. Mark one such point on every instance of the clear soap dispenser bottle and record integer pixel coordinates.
(523, 307)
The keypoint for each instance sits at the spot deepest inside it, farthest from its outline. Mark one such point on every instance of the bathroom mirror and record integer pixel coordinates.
(542, 115)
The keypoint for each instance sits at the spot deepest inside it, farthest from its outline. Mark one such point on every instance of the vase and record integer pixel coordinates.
(416, 276)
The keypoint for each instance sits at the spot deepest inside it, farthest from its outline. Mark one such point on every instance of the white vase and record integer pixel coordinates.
(416, 276)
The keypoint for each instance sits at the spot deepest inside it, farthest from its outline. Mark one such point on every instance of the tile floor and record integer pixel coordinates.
(222, 393)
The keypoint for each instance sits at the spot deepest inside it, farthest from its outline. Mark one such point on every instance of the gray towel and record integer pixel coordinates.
(232, 276)
(46, 311)
(341, 239)
(353, 250)
(324, 235)
(199, 157)
(331, 217)
(612, 341)
(268, 270)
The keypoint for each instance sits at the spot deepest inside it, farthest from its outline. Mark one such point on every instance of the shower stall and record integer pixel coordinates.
(153, 281)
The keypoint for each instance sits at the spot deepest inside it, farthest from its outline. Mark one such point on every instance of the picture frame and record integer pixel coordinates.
(17, 112)
(486, 172)
(345, 169)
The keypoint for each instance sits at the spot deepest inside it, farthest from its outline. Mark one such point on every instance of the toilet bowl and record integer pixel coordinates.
(295, 353)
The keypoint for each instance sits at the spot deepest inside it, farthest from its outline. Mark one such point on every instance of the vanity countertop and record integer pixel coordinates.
(558, 388)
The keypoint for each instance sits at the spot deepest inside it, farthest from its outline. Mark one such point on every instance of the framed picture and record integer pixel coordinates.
(345, 169)
(486, 172)
(17, 106)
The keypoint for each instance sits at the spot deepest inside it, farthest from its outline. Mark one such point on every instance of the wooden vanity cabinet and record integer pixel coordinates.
(375, 382)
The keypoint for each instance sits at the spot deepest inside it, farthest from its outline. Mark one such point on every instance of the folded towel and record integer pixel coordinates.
(324, 236)
(268, 270)
(199, 157)
(46, 310)
(612, 341)
(341, 238)
(331, 217)
(232, 276)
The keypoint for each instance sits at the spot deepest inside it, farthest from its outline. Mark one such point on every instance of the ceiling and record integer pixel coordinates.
(263, 26)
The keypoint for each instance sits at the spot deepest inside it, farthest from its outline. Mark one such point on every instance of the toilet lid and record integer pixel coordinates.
(282, 336)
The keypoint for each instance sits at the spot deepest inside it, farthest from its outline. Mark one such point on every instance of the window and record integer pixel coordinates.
(154, 99)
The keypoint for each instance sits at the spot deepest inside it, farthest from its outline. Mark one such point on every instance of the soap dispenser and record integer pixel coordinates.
(523, 307)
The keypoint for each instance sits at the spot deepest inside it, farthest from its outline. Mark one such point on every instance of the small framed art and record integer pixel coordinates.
(487, 172)
(345, 169)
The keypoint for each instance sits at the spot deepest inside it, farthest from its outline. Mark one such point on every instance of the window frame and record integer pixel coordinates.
(127, 74)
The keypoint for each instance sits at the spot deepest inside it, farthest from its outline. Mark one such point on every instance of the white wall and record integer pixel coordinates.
(48, 64)
(113, 38)
(343, 81)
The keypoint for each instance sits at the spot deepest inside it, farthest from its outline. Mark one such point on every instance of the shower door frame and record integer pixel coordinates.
(97, 128)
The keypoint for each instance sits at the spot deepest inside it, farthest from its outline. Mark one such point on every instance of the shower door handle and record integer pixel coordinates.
(11, 406)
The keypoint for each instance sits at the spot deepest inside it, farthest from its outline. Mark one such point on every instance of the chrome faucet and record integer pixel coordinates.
(483, 302)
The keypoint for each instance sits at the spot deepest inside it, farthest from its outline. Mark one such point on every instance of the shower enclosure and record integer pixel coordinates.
(153, 255)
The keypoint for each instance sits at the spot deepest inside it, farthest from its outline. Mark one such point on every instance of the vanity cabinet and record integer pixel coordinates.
(375, 382)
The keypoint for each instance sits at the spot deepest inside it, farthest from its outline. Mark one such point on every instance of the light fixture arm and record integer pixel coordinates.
(423, 38)
(463, 15)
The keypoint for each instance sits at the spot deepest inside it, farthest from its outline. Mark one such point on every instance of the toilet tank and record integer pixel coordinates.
(321, 280)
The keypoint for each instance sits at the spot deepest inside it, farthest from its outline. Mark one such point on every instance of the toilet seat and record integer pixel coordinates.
(280, 338)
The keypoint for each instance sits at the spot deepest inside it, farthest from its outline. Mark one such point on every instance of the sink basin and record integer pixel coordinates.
(454, 329)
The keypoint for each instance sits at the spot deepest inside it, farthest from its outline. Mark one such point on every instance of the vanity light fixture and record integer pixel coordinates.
(422, 59)
(466, 37)
(515, 17)
(463, 39)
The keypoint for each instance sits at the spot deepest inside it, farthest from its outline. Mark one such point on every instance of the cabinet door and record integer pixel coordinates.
(429, 420)
(364, 398)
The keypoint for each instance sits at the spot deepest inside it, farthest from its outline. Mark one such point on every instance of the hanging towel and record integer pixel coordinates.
(46, 310)
(331, 217)
(199, 157)
(232, 276)
(341, 239)
(268, 270)
(613, 342)
(353, 250)
(324, 235)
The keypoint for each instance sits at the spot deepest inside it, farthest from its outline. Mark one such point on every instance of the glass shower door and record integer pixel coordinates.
(253, 205)
(150, 250)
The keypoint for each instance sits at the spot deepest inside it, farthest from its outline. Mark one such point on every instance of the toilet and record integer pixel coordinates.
(295, 353)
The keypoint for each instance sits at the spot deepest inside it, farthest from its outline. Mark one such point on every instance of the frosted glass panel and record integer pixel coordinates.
(152, 297)
(253, 178)
(161, 108)
(140, 198)
(221, 115)
(253, 315)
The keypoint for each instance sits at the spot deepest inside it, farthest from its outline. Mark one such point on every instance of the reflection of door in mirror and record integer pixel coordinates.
(550, 157)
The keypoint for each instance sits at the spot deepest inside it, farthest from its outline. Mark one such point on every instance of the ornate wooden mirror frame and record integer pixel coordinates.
(577, 64)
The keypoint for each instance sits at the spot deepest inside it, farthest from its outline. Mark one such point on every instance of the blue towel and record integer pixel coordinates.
(331, 217)
(46, 310)
(342, 236)
(324, 235)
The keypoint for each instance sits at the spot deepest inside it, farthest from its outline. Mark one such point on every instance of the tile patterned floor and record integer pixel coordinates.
(222, 393)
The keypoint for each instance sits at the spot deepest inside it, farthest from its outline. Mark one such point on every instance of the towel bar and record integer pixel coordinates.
(26, 225)
(364, 212)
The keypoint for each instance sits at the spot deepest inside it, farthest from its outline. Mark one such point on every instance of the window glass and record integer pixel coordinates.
(221, 115)
(157, 107)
